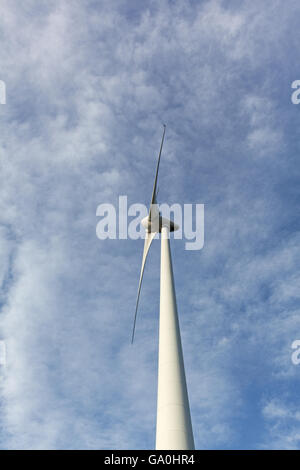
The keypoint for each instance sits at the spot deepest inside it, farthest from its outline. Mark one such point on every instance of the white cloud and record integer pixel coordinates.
(283, 424)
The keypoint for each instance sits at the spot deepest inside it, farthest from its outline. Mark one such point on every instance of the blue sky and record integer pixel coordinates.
(88, 87)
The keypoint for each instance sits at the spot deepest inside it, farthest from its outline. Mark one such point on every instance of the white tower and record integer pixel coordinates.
(173, 422)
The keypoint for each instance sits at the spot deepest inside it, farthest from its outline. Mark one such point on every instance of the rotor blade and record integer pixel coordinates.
(153, 199)
(148, 239)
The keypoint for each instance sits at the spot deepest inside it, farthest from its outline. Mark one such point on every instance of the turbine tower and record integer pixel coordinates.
(173, 421)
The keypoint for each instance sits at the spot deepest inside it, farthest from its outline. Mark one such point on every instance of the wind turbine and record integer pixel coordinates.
(173, 421)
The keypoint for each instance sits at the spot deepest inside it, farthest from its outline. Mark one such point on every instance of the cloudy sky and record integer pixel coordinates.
(89, 84)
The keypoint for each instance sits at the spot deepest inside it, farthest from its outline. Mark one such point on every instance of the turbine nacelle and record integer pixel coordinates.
(155, 224)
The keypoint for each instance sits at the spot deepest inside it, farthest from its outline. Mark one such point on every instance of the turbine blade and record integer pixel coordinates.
(153, 206)
(148, 239)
